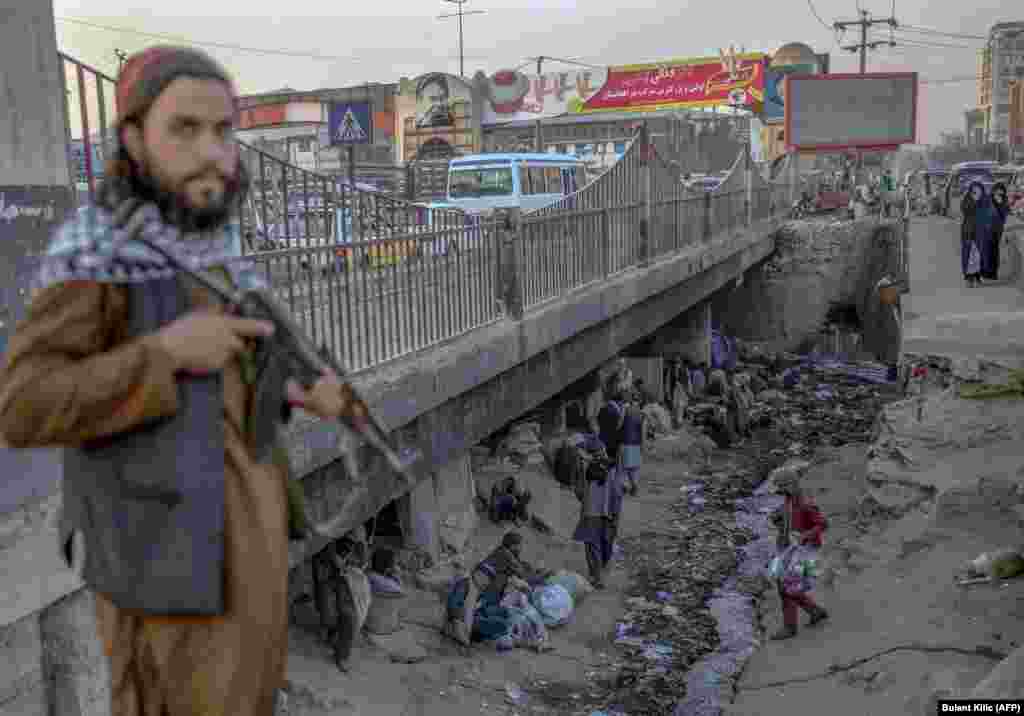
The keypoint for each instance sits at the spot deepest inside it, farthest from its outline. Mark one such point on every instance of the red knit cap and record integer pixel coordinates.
(147, 74)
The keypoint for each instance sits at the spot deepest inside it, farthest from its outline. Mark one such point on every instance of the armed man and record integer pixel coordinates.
(175, 499)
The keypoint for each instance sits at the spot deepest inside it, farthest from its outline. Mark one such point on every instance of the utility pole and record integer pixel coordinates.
(460, 14)
(863, 46)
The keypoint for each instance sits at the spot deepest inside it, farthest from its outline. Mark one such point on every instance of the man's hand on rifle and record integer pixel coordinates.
(328, 398)
(203, 342)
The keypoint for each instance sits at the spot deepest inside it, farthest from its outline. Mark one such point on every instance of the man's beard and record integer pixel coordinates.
(174, 204)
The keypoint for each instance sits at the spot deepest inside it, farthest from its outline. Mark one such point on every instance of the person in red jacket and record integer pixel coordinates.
(799, 518)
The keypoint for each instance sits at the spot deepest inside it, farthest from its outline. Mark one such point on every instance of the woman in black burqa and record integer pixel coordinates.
(1000, 210)
(970, 249)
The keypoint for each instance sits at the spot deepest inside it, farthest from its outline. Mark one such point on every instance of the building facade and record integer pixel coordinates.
(294, 125)
(1001, 62)
(1017, 119)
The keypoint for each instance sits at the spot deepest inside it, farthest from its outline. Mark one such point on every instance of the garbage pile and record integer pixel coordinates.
(667, 625)
(809, 400)
(523, 445)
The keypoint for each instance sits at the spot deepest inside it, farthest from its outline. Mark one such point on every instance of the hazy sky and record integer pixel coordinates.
(385, 40)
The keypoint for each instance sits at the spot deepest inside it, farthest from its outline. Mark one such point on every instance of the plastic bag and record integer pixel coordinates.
(554, 603)
(797, 563)
(576, 584)
(974, 260)
(723, 352)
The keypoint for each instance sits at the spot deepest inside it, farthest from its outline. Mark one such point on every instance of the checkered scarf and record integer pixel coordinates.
(93, 245)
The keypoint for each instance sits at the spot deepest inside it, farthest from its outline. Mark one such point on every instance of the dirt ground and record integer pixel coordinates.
(454, 681)
(901, 632)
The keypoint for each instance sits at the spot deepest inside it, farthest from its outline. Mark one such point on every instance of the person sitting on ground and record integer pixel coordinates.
(645, 396)
(798, 515)
(509, 503)
(486, 584)
(383, 574)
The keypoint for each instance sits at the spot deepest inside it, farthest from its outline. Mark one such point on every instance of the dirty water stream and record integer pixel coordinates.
(733, 609)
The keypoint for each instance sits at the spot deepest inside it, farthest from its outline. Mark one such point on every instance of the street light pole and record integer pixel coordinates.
(460, 14)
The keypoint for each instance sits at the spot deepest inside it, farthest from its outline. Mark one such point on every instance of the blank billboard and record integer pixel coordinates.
(835, 112)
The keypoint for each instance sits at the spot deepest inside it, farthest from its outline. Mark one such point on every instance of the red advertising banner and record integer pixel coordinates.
(701, 82)
(262, 115)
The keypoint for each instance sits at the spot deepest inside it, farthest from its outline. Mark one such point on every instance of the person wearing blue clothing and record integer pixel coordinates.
(1000, 210)
(985, 222)
(631, 451)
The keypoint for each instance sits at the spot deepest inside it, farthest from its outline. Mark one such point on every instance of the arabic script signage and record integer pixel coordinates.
(510, 96)
(701, 82)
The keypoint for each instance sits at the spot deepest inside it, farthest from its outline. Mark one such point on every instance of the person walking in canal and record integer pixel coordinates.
(1000, 211)
(799, 520)
(970, 251)
(175, 508)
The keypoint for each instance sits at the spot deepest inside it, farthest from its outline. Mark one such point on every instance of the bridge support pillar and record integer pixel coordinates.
(50, 657)
(509, 274)
(35, 188)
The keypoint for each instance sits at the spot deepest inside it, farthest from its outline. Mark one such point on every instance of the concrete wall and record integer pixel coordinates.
(48, 658)
(685, 336)
(32, 150)
(785, 301)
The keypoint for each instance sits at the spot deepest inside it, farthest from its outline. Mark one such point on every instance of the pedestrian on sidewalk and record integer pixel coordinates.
(985, 221)
(634, 427)
(800, 520)
(174, 480)
(970, 251)
(1001, 210)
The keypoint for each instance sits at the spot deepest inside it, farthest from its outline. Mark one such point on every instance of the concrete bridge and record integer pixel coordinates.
(462, 341)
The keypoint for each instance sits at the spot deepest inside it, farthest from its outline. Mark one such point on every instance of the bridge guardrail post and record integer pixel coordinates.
(606, 242)
(706, 228)
(510, 242)
(646, 189)
(749, 194)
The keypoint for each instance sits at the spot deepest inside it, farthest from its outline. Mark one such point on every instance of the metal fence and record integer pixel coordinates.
(89, 108)
(374, 277)
(371, 276)
(637, 211)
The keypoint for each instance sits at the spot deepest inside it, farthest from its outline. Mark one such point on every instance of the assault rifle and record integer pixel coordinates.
(289, 353)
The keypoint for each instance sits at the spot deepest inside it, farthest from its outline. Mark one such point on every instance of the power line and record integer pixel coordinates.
(810, 4)
(941, 33)
(218, 45)
(916, 42)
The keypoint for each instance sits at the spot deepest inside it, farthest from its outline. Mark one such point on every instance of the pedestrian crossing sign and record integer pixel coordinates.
(350, 123)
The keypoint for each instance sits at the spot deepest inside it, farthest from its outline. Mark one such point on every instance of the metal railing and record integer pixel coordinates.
(374, 277)
(89, 108)
(370, 276)
(637, 211)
